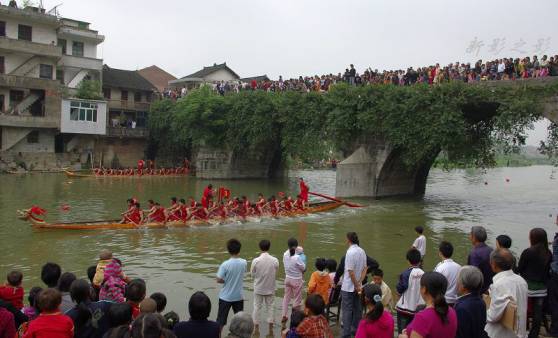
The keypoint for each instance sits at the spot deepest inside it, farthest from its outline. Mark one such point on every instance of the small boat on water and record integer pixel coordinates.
(114, 224)
(74, 174)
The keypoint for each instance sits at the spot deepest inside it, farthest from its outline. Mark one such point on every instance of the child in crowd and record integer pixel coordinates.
(105, 258)
(377, 322)
(331, 268)
(420, 242)
(315, 325)
(161, 301)
(387, 298)
(51, 322)
(32, 311)
(408, 287)
(300, 251)
(148, 305)
(297, 317)
(13, 292)
(91, 271)
(113, 286)
(320, 282)
(135, 294)
(503, 242)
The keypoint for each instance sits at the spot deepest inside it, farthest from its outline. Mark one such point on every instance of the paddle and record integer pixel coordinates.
(352, 205)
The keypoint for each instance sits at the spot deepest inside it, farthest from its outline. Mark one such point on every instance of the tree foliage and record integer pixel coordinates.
(89, 90)
(464, 121)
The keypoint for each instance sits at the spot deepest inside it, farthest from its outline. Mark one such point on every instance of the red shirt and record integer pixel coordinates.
(135, 310)
(50, 325)
(13, 295)
(304, 191)
(314, 327)
(7, 324)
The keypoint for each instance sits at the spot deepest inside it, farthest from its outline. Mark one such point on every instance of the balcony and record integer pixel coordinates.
(81, 62)
(120, 104)
(28, 121)
(28, 47)
(127, 132)
(29, 82)
(88, 34)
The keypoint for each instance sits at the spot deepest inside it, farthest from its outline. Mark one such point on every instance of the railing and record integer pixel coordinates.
(127, 132)
(126, 104)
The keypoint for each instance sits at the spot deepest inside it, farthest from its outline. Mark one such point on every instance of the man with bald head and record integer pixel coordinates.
(506, 287)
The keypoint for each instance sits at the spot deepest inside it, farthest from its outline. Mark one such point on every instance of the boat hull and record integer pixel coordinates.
(104, 225)
(73, 174)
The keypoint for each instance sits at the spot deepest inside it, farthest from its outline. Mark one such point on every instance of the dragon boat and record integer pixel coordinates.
(73, 174)
(114, 224)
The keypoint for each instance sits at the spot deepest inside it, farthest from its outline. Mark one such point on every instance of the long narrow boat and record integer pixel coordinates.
(73, 174)
(113, 224)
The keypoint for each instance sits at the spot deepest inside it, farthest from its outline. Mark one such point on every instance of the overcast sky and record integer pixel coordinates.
(307, 37)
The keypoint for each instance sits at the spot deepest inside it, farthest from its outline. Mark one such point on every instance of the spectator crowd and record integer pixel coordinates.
(498, 69)
(494, 295)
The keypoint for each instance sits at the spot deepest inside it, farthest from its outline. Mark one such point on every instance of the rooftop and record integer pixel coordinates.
(211, 69)
(128, 79)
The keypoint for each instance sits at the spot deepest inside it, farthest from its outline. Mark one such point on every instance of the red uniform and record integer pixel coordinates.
(288, 205)
(207, 194)
(51, 325)
(304, 191)
(299, 204)
(134, 216)
(159, 215)
(12, 295)
(274, 206)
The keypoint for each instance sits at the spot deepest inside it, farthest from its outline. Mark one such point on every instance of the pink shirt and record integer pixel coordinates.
(429, 325)
(381, 328)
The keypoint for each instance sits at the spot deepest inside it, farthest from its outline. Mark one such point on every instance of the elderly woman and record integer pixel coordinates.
(470, 307)
(242, 326)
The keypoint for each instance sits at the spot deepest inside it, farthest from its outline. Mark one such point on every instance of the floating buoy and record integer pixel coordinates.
(485, 183)
(65, 207)
(507, 180)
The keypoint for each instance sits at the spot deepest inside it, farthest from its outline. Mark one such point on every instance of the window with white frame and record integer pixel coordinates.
(83, 111)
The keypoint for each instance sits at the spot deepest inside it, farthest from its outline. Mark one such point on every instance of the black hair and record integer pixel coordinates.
(91, 271)
(160, 299)
(373, 295)
(446, 248)
(413, 256)
(150, 201)
(173, 199)
(135, 291)
(65, 281)
(34, 296)
(233, 246)
(147, 325)
(50, 274)
(265, 245)
(315, 303)
(353, 237)
(182, 200)
(436, 286)
(331, 265)
(321, 264)
(419, 229)
(292, 243)
(171, 319)
(14, 278)
(80, 291)
(378, 272)
(297, 317)
(119, 314)
(210, 186)
(539, 242)
(199, 306)
(504, 241)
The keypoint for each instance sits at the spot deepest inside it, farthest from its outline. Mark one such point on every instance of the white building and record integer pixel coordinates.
(211, 74)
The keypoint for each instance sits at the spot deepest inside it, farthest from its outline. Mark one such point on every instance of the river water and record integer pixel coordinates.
(181, 261)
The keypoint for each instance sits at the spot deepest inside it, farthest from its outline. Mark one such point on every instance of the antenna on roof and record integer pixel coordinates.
(54, 10)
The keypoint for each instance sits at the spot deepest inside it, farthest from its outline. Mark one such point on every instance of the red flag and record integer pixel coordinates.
(37, 210)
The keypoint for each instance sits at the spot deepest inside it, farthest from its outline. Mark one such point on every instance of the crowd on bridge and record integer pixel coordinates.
(497, 69)
(473, 300)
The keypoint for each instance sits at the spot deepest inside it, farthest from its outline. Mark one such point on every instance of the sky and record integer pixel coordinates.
(309, 37)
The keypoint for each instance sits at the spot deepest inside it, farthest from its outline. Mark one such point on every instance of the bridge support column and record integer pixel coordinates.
(377, 170)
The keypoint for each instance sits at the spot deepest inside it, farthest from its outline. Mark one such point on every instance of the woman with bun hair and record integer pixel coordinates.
(377, 322)
(294, 278)
(438, 319)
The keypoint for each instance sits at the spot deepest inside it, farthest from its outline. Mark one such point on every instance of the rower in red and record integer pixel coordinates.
(207, 195)
(133, 215)
(141, 164)
(260, 204)
(303, 191)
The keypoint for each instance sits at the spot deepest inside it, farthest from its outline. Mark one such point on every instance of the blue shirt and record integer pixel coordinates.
(471, 316)
(480, 257)
(232, 272)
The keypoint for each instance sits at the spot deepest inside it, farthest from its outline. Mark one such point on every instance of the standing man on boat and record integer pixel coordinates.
(141, 164)
(207, 195)
(303, 191)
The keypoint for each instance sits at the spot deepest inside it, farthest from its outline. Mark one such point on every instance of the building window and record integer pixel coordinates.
(62, 43)
(16, 96)
(45, 72)
(148, 96)
(60, 75)
(2, 69)
(106, 93)
(83, 111)
(137, 96)
(2, 28)
(124, 95)
(25, 33)
(77, 48)
(141, 119)
(33, 137)
(2, 103)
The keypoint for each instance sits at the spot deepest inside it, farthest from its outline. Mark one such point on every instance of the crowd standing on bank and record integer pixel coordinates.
(490, 70)
(473, 300)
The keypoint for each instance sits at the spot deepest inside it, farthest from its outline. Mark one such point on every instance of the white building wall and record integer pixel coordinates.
(89, 49)
(220, 75)
(84, 127)
(40, 34)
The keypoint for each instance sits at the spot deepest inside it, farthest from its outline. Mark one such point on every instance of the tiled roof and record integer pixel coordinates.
(257, 78)
(157, 77)
(128, 79)
(211, 69)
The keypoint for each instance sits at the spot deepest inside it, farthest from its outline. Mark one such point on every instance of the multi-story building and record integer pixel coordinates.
(43, 59)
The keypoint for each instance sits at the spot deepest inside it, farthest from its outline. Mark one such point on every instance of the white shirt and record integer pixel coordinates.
(501, 67)
(355, 260)
(294, 266)
(411, 298)
(506, 287)
(420, 245)
(449, 269)
(264, 270)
